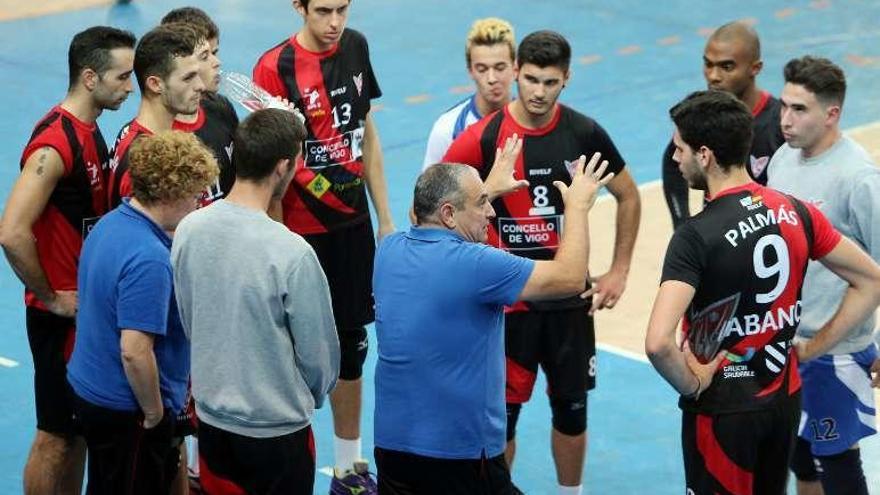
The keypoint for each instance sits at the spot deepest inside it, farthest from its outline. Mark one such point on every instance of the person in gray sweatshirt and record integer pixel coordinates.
(255, 304)
(820, 165)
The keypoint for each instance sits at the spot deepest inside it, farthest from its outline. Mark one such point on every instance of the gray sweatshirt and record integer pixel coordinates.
(845, 185)
(256, 307)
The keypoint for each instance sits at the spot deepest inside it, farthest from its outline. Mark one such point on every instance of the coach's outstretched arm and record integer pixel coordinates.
(849, 262)
(565, 275)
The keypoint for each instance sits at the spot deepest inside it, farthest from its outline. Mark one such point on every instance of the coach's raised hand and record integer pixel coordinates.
(501, 178)
(585, 183)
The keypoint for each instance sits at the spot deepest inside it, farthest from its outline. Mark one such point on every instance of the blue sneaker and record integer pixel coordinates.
(360, 481)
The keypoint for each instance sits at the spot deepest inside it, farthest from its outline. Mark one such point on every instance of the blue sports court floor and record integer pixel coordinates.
(632, 60)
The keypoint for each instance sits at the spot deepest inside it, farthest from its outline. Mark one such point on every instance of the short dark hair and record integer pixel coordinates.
(438, 184)
(91, 49)
(264, 138)
(717, 120)
(193, 16)
(819, 76)
(305, 4)
(544, 49)
(158, 48)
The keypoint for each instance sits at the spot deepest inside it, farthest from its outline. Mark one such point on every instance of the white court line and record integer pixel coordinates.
(8, 363)
(622, 352)
(326, 471)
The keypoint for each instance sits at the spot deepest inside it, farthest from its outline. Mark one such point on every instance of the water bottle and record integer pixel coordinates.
(240, 88)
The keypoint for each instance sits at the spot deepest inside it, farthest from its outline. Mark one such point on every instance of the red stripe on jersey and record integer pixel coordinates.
(119, 178)
(332, 186)
(796, 242)
(732, 477)
(58, 247)
(77, 200)
(319, 110)
(794, 376)
(191, 126)
(304, 176)
(519, 203)
(294, 211)
(761, 104)
(265, 73)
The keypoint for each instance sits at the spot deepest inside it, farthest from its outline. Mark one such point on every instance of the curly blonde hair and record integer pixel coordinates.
(487, 32)
(170, 166)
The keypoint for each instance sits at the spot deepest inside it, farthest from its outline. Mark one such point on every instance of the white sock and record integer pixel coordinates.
(570, 490)
(347, 453)
(193, 457)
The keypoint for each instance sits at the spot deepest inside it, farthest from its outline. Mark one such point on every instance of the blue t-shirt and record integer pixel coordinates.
(125, 282)
(439, 327)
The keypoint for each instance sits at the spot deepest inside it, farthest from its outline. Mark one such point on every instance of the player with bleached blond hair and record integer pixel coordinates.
(490, 51)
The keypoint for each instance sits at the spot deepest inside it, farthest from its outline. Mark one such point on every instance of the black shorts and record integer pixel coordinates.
(51, 340)
(739, 453)
(124, 458)
(233, 464)
(185, 423)
(562, 342)
(401, 473)
(346, 256)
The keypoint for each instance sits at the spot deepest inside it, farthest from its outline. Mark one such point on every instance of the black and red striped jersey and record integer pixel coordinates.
(529, 222)
(333, 90)
(215, 126)
(78, 200)
(118, 178)
(746, 254)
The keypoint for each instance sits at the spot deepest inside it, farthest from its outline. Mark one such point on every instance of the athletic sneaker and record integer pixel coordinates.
(358, 482)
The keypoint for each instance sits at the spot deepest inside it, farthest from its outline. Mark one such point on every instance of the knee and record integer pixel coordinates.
(569, 415)
(353, 346)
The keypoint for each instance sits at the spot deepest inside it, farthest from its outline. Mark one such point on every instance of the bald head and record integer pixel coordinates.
(739, 32)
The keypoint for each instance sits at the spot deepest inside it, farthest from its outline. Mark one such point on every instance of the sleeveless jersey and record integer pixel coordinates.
(448, 127)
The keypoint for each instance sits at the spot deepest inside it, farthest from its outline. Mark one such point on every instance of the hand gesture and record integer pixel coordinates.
(500, 180)
(606, 290)
(585, 182)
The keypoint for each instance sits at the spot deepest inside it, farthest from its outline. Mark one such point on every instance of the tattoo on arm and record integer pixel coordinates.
(42, 160)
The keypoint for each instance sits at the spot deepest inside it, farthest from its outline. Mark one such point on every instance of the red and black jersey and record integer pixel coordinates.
(333, 90)
(118, 178)
(766, 139)
(529, 221)
(746, 254)
(215, 125)
(78, 200)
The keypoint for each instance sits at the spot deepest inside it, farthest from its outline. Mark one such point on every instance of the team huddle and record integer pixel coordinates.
(196, 291)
